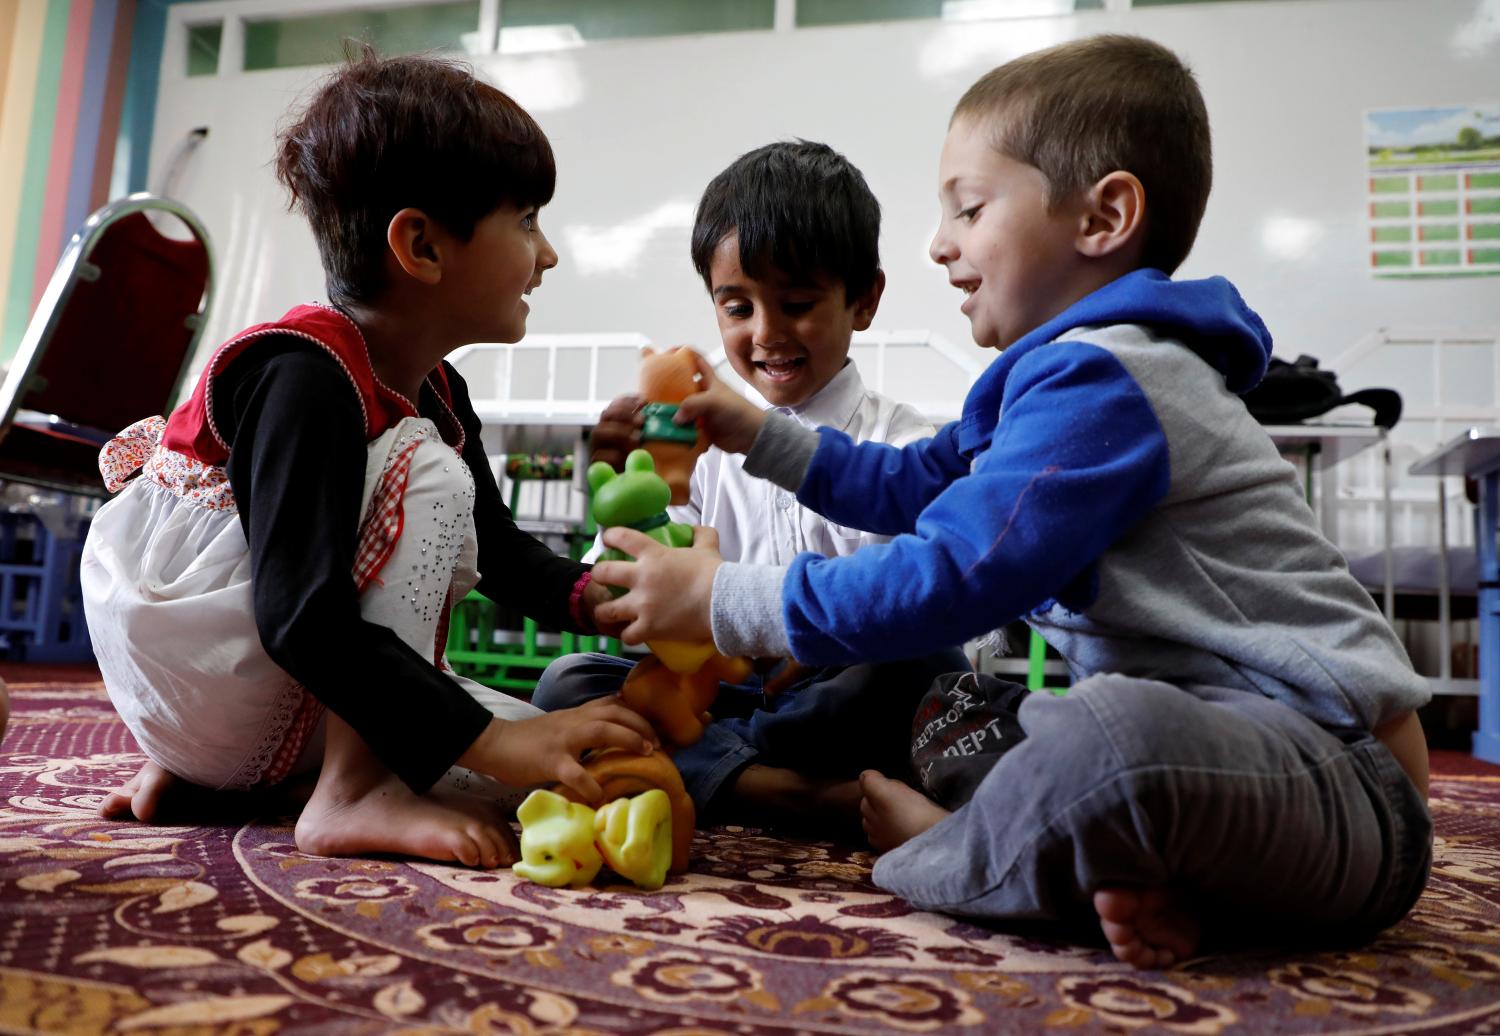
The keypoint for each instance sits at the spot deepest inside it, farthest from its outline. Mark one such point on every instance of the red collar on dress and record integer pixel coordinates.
(191, 430)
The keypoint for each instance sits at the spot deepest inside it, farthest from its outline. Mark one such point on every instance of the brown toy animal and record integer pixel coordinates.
(667, 378)
(623, 774)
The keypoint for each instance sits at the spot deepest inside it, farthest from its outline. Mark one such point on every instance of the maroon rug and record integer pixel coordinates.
(120, 926)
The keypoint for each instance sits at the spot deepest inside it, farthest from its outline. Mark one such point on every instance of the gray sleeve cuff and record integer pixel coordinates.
(782, 451)
(745, 611)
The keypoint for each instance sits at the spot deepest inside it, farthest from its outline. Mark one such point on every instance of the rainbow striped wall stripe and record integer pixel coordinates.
(63, 72)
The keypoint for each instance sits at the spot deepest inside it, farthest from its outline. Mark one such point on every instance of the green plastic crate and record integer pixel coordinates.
(489, 652)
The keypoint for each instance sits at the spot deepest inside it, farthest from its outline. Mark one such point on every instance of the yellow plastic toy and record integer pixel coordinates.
(557, 841)
(564, 843)
(634, 836)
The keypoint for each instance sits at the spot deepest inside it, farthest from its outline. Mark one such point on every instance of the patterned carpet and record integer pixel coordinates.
(228, 929)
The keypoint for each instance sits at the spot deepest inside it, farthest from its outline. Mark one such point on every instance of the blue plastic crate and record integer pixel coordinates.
(41, 602)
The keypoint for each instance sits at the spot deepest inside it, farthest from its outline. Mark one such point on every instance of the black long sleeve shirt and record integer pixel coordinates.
(296, 464)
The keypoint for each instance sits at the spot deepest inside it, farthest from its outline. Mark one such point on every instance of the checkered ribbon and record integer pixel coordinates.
(378, 535)
(381, 529)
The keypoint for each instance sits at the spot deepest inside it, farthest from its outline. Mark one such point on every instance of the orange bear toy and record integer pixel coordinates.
(667, 378)
(624, 774)
(676, 703)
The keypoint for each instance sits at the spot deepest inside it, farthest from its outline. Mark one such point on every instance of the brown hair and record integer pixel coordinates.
(383, 134)
(1085, 109)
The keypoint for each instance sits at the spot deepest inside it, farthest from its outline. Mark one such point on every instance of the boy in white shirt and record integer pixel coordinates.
(787, 242)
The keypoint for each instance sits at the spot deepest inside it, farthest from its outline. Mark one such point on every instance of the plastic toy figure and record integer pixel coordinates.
(557, 841)
(624, 774)
(675, 687)
(565, 843)
(667, 378)
(643, 830)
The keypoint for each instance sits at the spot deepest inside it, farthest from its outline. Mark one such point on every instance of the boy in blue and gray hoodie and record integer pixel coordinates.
(1239, 745)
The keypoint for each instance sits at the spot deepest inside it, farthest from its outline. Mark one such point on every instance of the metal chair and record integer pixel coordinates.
(109, 343)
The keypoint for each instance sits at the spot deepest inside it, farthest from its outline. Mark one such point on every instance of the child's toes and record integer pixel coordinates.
(510, 849)
(1119, 935)
(465, 848)
(491, 848)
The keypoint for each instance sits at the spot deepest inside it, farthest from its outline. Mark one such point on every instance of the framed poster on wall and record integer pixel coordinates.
(1434, 190)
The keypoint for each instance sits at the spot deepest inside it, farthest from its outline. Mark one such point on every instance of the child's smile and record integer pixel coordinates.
(781, 370)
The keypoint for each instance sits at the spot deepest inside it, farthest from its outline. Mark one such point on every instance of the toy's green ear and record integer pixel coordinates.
(639, 460)
(600, 474)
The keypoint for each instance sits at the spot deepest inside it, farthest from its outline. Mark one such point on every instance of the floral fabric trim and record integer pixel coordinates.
(122, 457)
(138, 450)
(204, 485)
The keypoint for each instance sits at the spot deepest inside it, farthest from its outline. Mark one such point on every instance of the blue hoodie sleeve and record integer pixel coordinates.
(891, 484)
(1077, 458)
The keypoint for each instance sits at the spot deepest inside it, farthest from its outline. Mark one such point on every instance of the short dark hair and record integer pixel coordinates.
(384, 134)
(1084, 109)
(797, 206)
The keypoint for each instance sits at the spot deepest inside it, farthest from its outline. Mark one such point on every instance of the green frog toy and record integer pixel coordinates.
(674, 689)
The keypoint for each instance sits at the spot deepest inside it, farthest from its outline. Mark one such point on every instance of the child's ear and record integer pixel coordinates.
(1114, 215)
(866, 305)
(413, 241)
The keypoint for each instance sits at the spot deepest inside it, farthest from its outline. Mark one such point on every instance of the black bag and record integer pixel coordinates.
(1290, 393)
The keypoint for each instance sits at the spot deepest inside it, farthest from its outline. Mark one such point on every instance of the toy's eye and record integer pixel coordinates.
(546, 857)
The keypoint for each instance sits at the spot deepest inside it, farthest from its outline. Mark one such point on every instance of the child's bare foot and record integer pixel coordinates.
(382, 815)
(158, 795)
(780, 797)
(894, 813)
(360, 807)
(1146, 928)
(141, 795)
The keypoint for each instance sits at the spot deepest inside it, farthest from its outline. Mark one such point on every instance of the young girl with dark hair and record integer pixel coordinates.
(268, 593)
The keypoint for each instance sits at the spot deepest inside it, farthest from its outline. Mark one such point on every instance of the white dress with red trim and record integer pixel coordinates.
(166, 577)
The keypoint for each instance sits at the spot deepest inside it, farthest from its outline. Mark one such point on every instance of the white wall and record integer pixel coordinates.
(639, 126)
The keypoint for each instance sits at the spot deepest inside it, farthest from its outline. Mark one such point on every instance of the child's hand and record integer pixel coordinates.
(727, 419)
(595, 594)
(546, 748)
(669, 589)
(618, 431)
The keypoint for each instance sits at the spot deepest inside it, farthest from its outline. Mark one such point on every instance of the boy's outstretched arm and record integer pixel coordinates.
(726, 418)
(1077, 462)
(875, 486)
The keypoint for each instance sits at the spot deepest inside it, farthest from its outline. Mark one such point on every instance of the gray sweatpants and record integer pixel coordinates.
(1240, 801)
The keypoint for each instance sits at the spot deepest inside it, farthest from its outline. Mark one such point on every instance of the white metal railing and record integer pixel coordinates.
(1442, 395)
(568, 379)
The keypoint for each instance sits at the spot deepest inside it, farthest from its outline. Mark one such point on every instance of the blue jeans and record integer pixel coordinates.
(1240, 801)
(831, 722)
